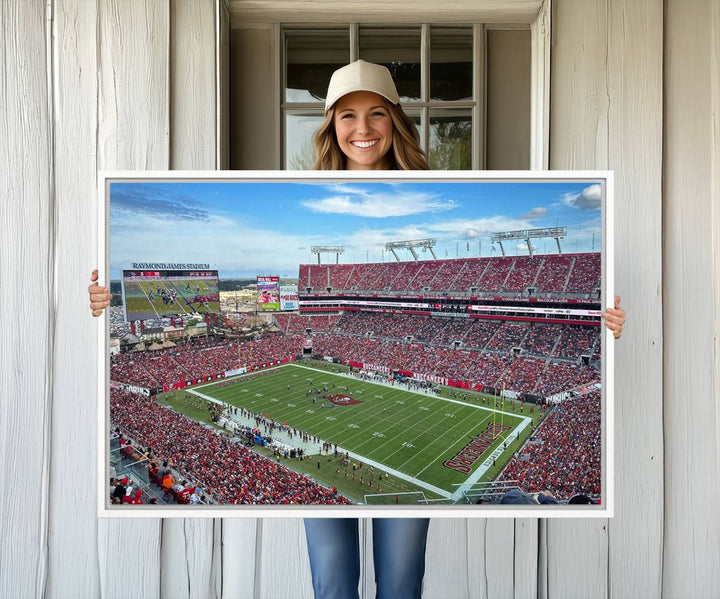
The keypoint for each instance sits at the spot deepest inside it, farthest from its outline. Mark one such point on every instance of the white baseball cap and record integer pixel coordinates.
(361, 76)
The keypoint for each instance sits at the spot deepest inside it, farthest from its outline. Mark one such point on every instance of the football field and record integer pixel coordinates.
(436, 443)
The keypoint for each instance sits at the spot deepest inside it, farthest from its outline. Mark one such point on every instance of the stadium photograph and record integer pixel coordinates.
(380, 343)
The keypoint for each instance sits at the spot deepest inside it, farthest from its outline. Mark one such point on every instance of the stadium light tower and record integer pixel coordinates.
(425, 244)
(556, 233)
(328, 249)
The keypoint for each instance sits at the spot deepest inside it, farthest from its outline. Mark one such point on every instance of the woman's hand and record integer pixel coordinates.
(615, 318)
(99, 296)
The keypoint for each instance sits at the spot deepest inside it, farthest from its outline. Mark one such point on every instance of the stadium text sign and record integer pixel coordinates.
(169, 266)
(472, 452)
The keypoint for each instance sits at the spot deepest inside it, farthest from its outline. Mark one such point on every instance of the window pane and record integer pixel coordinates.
(451, 55)
(299, 150)
(508, 100)
(311, 58)
(399, 51)
(415, 116)
(450, 139)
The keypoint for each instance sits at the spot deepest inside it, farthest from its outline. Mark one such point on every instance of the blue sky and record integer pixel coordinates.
(244, 229)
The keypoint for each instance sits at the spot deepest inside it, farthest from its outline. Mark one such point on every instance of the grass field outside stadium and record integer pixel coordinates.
(410, 434)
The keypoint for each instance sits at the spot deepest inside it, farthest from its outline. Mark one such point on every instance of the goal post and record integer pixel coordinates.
(498, 430)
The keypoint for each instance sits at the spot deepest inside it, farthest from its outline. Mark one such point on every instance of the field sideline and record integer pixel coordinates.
(408, 433)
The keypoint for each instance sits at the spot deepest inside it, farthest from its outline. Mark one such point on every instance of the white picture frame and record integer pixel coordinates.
(395, 179)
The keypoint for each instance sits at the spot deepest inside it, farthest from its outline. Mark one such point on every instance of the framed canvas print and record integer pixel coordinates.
(349, 344)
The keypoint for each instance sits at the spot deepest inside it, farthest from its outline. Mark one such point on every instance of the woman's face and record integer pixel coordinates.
(364, 130)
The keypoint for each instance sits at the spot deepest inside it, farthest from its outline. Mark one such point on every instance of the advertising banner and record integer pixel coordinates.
(268, 293)
(288, 297)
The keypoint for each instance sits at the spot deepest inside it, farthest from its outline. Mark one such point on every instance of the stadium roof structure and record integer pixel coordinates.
(425, 244)
(556, 233)
(328, 249)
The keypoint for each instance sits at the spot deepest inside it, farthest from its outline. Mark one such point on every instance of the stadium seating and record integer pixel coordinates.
(541, 339)
(227, 471)
(523, 273)
(585, 273)
(508, 336)
(548, 363)
(553, 274)
(548, 273)
(563, 454)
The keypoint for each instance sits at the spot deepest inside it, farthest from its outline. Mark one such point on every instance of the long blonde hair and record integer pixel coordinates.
(405, 154)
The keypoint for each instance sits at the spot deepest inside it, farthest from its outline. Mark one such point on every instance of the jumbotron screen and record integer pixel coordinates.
(162, 293)
(268, 293)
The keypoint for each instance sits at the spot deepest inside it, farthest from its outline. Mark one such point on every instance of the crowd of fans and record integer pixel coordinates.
(542, 359)
(508, 336)
(521, 375)
(523, 273)
(585, 274)
(199, 358)
(296, 323)
(405, 274)
(577, 341)
(228, 471)
(555, 273)
(541, 340)
(495, 275)
(531, 358)
(561, 376)
(563, 454)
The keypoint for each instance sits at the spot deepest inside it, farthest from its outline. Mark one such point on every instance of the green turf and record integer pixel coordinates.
(408, 432)
(331, 473)
(191, 405)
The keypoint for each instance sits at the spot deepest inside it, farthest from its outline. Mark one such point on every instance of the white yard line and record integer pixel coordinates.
(398, 474)
(360, 458)
(152, 305)
(487, 464)
(474, 476)
(458, 423)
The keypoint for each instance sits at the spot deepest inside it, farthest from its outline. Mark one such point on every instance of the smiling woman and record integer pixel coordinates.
(365, 128)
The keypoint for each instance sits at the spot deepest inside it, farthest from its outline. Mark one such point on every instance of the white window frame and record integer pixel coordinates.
(535, 15)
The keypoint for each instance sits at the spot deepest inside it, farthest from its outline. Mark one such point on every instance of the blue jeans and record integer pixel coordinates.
(398, 551)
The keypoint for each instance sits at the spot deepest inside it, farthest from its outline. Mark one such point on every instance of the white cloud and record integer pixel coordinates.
(228, 244)
(479, 227)
(538, 212)
(523, 246)
(589, 198)
(358, 202)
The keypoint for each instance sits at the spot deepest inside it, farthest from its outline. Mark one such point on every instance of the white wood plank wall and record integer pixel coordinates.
(132, 133)
(27, 212)
(690, 294)
(133, 85)
(74, 554)
(190, 567)
(606, 112)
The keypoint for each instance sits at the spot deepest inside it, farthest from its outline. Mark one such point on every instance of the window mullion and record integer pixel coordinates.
(280, 152)
(479, 112)
(425, 86)
(354, 41)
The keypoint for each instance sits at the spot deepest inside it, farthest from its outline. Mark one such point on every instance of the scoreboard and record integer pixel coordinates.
(152, 293)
